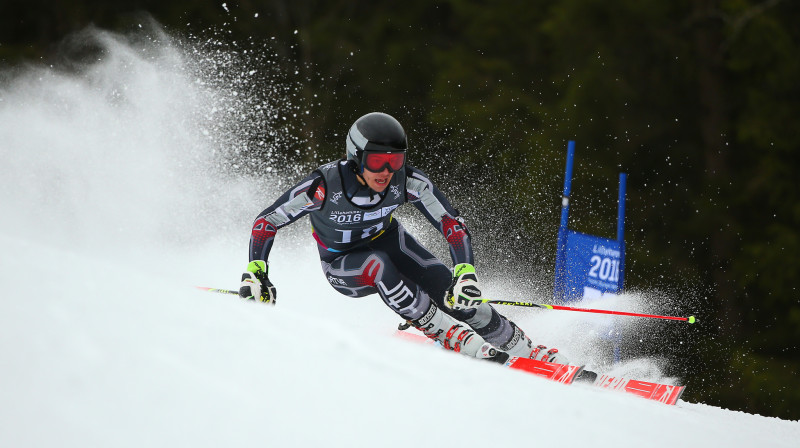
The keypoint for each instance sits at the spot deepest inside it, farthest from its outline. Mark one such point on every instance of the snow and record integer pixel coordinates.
(111, 212)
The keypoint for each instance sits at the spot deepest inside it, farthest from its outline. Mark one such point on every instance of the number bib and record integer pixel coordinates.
(340, 225)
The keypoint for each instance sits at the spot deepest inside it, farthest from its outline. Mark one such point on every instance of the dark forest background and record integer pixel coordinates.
(698, 101)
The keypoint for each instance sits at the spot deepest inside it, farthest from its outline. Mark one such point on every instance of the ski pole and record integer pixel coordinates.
(690, 319)
(221, 291)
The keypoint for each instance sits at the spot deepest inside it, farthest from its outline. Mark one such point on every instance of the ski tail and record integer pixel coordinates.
(218, 290)
(561, 373)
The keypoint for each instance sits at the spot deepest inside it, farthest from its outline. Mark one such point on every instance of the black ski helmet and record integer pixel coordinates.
(376, 132)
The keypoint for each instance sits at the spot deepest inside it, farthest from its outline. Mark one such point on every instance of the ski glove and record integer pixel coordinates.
(464, 292)
(256, 285)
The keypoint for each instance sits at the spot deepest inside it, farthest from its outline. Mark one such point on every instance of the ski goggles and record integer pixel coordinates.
(377, 161)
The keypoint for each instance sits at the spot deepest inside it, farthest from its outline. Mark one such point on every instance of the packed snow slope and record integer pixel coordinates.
(112, 209)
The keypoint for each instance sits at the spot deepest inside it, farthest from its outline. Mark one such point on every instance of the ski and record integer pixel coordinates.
(560, 373)
(566, 374)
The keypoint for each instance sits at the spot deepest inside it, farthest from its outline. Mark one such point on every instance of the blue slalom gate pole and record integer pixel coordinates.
(561, 256)
(623, 185)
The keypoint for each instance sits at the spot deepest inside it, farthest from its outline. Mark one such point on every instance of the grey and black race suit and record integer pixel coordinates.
(364, 250)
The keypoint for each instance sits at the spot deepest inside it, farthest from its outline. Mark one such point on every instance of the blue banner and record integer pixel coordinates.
(593, 266)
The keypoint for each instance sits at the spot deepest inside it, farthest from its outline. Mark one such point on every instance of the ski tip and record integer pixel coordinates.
(586, 376)
(578, 372)
(692, 319)
(679, 395)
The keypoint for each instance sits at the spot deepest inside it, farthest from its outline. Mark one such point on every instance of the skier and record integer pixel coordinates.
(364, 249)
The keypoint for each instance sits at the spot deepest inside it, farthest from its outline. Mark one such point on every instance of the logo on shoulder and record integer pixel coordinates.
(330, 164)
(320, 193)
(395, 191)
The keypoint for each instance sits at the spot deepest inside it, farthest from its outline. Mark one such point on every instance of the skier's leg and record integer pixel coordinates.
(415, 261)
(508, 337)
(366, 271)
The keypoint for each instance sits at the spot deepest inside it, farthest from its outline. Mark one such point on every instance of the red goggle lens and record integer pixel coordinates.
(377, 161)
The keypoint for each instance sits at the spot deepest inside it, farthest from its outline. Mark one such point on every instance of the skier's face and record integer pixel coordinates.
(377, 181)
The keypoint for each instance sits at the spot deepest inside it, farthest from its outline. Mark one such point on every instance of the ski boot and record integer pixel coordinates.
(450, 333)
